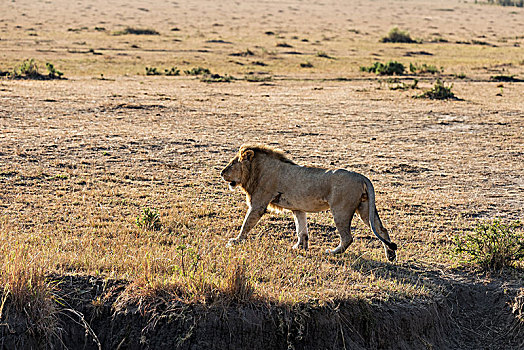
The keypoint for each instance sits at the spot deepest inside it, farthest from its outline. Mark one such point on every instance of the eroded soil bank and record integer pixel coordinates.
(471, 316)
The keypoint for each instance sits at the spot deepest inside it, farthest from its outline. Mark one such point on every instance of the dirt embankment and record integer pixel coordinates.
(471, 316)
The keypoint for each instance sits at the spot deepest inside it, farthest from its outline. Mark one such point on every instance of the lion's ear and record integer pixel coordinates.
(248, 155)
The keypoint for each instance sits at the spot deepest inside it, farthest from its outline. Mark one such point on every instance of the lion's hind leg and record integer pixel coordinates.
(301, 224)
(343, 222)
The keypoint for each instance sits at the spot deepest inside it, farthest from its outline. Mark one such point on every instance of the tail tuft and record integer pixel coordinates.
(392, 246)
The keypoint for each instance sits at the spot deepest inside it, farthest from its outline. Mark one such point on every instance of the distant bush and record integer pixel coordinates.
(138, 31)
(197, 71)
(390, 68)
(493, 245)
(396, 35)
(216, 78)
(154, 71)
(253, 78)
(505, 78)
(28, 69)
(518, 3)
(439, 92)
(424, 68)
(306, 65)
(324, 55)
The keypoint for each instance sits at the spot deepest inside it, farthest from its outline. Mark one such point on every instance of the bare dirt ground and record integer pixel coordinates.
(80, 158)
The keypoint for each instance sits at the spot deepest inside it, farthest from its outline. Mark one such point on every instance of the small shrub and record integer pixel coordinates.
(424, 68)
(246, 53)
(29, 70)
(149, 220)
(138, 31)
(152, 71)
(396, 35)
(390, 68)
(257, 78)
(197, 71)
(306, 65)
(216, 78)
(439, 92)
(493, 245)
(283, 44)
(324, 55)
(460, 75)
(259, 63)
(53, 72)
(172, 72)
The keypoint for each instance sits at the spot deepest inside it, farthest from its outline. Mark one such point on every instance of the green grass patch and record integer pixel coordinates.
(439, 91)
(389, 68)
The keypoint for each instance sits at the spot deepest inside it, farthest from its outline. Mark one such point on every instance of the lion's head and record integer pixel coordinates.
(237, 171)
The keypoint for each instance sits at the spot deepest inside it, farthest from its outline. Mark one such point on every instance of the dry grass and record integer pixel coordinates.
(81, 159)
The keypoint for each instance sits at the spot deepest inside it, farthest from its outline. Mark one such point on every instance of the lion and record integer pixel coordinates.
(272, 181)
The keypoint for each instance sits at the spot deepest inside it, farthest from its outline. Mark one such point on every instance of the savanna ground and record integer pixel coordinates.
(81, 158)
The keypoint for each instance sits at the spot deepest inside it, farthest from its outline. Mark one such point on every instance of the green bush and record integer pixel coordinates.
(149, 220)
(390, 68)
(439, 92)
(396, 35)
(493, 245)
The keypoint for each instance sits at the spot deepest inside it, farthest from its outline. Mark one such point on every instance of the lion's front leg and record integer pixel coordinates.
(301, 224)
(252, 216)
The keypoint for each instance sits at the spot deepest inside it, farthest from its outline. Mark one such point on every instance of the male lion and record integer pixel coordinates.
(270, 179)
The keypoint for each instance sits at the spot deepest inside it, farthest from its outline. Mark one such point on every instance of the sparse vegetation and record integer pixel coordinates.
(389, 68)
(439, 91)
(396, 35)
(306, 64)
(493, 245)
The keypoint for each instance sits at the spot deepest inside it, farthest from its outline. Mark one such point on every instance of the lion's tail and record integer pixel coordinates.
(371, 200)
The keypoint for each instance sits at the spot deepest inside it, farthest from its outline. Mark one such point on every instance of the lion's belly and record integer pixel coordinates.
(288, 201)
